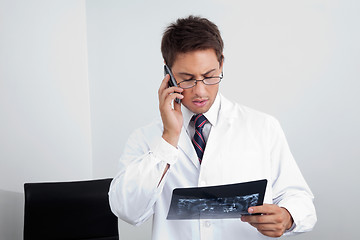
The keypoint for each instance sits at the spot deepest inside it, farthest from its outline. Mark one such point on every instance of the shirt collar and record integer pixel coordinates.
(211, 115)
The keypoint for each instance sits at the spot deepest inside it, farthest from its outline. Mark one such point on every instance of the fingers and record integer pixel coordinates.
(177, 106)
(263, 227)
(272, 222)
(164, 83)
(265, 224)
(166, 94)
(270, 213)
(171, 97)
(271, 230)
(258, 219)
(264, 209)
(171, 114)
(165, 86)
(171, 93)
(272, 233)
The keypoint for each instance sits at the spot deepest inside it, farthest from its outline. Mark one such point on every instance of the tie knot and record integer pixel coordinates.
(199, 120)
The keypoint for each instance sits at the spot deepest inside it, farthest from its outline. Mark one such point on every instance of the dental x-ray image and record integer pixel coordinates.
(216, 202)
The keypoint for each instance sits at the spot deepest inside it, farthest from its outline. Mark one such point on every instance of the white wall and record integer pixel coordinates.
(297, 60)
(44, 101)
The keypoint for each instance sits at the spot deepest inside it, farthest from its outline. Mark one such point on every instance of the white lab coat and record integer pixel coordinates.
(244, 145)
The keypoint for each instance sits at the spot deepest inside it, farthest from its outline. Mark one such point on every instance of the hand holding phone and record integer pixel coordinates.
(172, 81)
(171, 114)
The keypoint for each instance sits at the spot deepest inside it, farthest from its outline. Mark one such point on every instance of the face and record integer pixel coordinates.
(197, 65)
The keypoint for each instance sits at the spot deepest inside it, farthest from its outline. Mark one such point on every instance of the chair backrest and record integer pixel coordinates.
(69, 210)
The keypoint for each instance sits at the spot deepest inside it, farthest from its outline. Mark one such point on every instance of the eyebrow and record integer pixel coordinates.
(192, 75)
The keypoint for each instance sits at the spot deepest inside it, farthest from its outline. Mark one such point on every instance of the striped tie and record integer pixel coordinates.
(198, 139)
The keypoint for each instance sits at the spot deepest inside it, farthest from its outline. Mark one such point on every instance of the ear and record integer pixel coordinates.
(221, 61)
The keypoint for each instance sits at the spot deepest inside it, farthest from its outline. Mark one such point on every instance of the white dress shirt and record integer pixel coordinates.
(242, 145)
(211, 116)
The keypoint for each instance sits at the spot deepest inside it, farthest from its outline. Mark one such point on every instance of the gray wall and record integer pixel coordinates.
(76, 77)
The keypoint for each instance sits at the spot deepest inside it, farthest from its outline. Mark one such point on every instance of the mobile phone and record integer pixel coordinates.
(172, 81)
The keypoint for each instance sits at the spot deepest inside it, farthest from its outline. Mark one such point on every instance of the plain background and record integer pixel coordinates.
(77, 77)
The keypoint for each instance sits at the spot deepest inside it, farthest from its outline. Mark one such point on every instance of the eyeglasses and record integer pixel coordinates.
(207, 81)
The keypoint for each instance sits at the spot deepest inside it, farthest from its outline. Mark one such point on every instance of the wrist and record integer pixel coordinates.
(172, 139)
(290, 219)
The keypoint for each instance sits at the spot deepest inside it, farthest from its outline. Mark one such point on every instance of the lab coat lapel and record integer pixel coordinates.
(218, 138)
(187, 147)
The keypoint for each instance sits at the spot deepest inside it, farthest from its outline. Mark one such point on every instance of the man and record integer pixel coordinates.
(207, 140)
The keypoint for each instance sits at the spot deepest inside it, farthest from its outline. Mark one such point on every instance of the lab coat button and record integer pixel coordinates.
(207, 224)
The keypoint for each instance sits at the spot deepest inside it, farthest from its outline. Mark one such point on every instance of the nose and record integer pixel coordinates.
(200, 88)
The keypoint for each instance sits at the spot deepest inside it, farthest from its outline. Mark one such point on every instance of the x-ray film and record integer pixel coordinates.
(216, 202)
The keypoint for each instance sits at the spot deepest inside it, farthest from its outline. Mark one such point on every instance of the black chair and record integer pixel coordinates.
(69, 210)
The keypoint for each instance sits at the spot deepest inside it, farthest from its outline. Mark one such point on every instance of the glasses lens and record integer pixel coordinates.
(212, 81)
(187, 84)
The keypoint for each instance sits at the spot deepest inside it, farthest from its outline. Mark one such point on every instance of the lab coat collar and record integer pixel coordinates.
(185, 143)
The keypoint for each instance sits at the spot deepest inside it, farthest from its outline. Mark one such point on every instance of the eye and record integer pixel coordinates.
(190, 79)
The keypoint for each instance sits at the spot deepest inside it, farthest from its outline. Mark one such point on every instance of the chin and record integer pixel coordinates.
(200, 110)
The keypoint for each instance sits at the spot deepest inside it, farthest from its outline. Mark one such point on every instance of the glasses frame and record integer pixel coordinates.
(198, 80)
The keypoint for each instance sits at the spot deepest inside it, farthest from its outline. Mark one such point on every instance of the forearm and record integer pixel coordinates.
(302, 211)
(134, 191)
(290, 189)
(291, 192)
(139, 183)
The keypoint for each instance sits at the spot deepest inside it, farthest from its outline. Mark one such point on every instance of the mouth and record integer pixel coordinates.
(200, 102)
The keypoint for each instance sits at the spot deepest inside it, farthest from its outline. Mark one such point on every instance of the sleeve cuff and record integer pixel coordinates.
(166, 152)
(304, 221)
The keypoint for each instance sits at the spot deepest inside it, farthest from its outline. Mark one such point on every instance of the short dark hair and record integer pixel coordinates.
(190, 34)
